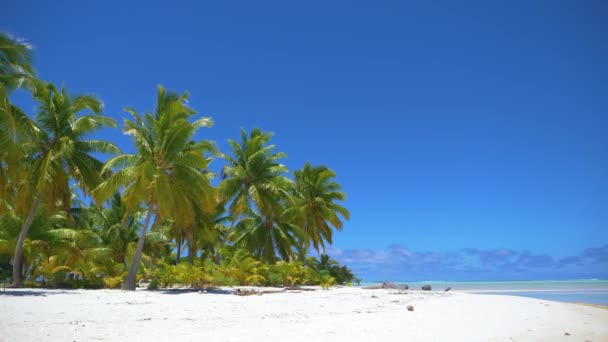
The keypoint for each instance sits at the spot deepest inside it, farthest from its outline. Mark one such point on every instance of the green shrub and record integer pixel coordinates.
(112, 282)
(189, 275)
(328, 282)
(167, 275)
(153, 285)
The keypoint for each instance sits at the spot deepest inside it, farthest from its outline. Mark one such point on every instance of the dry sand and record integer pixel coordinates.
(340, 314)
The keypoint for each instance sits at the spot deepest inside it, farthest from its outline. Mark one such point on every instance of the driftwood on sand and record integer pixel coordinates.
(387, 285)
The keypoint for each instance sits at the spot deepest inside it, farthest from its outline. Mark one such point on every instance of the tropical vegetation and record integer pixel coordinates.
(75, 211)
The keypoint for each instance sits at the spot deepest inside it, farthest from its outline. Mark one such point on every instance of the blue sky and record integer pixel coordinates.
(470, 137)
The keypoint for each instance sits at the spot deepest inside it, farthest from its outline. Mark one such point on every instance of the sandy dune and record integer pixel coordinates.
(341, 314)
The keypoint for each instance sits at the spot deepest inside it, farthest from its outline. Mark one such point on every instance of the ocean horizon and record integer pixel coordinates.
(590, 291)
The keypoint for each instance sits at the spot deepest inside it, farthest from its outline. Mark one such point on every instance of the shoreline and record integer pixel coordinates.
(568, 291)
(599, 306)
(337, 314)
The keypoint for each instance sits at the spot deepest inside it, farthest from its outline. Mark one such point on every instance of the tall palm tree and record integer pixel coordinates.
(254, 178)
(118, 232)
(16, 128)
(315, 204)
(165, 175)
(206, 233)
(257, 188)
(116, 227)
(60, 154)
(59, 234)
(211, 233)
(15, 62)
(16, 139)
(266, 239)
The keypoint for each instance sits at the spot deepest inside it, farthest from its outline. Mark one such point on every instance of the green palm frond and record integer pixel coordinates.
(15, 62)
(315, 208)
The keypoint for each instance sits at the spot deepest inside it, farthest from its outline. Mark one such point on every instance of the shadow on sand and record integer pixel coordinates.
(32, 292)
(183, 291)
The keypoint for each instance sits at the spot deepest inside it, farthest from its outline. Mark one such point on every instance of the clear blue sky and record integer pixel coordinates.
(470, 137)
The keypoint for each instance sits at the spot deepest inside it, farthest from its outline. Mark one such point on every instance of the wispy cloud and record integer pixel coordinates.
(397, 262)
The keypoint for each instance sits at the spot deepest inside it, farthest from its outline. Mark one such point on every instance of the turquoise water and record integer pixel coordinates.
(579, 291)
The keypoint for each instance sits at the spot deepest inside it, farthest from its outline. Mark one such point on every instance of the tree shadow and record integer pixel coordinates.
(207, 291)
(31, 292)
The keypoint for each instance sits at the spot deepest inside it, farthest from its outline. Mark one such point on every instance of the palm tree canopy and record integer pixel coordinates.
(168, 173)
(265, 241)
(316, 194)
(15, 62)
(255, 180)
(259, 189)
(61, 151)
(16, 139)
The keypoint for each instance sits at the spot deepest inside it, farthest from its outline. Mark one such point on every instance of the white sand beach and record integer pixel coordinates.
(339, 314)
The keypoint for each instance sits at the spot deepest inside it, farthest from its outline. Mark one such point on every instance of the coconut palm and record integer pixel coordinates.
(254, 178)
(15, 62)
(10, 226)
(16, 139)
(58, 235)
(165, 175)
(60, 154)
(16, 128)
(315, 205)
(324, 263)
(257, 188)
(266, 239)
(207, 233)
(116, 227)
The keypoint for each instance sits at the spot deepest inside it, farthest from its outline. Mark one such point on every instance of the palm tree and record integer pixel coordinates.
(210, 234)
(59, 155)
(205, 233)
(118, 232)
(10, 226)
(116, 227)
(266, 239)
(60, 235)
(315, 205)
(165, 175)
(258, 189)
(16, 128)
(254, 179)
(324, 263)
(15, 62)
(16, 139)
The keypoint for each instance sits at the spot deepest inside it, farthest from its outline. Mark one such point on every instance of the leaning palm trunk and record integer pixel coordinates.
(191, 251)
(129, 283)
(179, 250)
(18, 259)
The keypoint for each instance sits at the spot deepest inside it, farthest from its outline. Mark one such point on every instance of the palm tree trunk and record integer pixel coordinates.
(179, 250)
(191, 251)
(302, 251)
(18, 259)
(129, 283)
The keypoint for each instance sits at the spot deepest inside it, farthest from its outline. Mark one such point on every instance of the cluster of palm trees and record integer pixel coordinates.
(149, 206)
